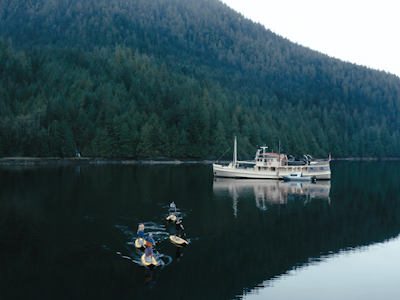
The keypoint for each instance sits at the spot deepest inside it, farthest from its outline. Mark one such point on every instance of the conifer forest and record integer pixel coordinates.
(179, 79)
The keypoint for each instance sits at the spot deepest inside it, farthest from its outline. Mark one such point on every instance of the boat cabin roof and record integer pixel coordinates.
(268, 154)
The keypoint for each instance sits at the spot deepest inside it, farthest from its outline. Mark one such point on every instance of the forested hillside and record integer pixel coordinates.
(178, 78)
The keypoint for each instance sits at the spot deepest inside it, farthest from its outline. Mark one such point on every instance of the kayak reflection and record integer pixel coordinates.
(148, 274)
(178, 253)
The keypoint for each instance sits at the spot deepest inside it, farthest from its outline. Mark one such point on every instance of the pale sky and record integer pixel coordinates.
(362, 32)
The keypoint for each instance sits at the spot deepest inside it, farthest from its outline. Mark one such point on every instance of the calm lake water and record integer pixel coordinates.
(67, 232)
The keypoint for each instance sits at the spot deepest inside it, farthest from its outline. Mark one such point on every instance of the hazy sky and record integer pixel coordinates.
(362, 32)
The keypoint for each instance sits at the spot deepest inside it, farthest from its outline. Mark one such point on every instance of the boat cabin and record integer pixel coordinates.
(269, 160)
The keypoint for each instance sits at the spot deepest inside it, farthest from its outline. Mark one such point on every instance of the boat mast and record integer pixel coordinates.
(235, 153)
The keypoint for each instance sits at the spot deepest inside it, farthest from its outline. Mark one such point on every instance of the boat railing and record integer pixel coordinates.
(246, 162)
(321, 162)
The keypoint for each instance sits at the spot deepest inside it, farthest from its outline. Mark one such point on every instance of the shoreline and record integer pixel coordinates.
(18, 160)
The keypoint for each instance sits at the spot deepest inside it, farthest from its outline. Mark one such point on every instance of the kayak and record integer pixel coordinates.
(140, 243)
(171, 218)
(150, 262)
(178, 241)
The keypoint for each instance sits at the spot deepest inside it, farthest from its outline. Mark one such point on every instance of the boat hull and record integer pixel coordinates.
(271, 173)
(297, 179)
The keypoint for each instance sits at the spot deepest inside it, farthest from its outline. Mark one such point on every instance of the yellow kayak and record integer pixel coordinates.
(178, 241)
(171, 218)
(150, 262)
(140, 243)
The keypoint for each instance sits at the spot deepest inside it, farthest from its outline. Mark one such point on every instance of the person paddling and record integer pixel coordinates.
(172, 208)
(140, 231)
(179, 227)
(149, 246)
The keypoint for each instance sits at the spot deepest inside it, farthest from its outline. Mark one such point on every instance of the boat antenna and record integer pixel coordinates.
(279, 152)
(279, 147)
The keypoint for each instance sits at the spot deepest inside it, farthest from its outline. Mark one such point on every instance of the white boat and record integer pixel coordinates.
(269, 165)
(298, 176)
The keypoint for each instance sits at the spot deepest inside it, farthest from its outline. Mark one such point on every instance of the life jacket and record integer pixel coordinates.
(149, 243)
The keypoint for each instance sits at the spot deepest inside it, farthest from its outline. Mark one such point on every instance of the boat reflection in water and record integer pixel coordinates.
(272, 191)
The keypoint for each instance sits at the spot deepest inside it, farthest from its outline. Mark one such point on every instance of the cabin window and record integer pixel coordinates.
(311, 169)
(273, 169)
(321, 168)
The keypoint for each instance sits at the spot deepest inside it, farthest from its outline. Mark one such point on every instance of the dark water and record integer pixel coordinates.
(67, 232)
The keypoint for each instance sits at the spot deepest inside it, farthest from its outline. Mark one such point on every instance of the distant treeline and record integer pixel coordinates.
(178, 78)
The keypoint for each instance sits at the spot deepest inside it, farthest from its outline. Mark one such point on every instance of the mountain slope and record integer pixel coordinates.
(178, 78)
